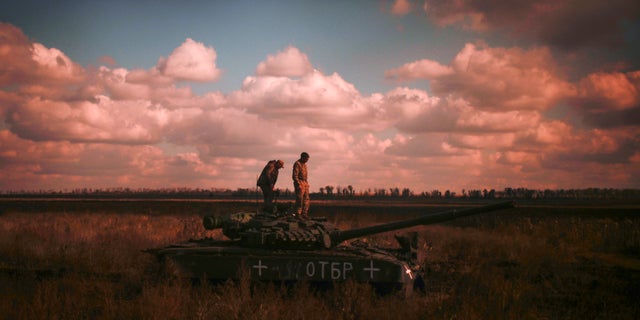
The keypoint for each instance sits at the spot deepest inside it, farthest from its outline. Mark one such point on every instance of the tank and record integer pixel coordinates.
(289, 248)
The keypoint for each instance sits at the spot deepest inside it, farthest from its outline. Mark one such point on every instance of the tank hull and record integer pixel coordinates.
(223, 261)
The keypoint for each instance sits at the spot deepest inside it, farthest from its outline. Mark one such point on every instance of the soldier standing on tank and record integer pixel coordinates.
(301, 185)
(267, 182)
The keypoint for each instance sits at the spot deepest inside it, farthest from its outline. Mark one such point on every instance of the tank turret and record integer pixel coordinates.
(288, 231)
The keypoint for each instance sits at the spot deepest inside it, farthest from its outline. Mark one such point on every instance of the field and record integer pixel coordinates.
(62, 259)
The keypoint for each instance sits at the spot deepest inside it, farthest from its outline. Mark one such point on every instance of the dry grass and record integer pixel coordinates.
(515, 265)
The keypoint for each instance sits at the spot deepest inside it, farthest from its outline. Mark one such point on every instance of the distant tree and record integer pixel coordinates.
(474, 194)
(329, 190)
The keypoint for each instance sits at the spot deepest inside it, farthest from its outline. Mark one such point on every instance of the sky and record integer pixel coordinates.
(425, 95)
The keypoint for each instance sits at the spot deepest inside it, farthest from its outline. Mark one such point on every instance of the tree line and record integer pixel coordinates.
(337, 192)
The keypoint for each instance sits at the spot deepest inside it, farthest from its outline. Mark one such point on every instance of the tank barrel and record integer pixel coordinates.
(340, 236)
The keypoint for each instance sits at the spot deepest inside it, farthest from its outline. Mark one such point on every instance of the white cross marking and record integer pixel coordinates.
(259, 266)
(371, 269)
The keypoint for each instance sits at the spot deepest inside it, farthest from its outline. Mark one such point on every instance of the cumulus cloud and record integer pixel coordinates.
(422, 69)
(430, 145)
(54, 99)
(121, 84)
(32, 64)
(105, 120)
(137, 84)
(55, 65)
(62, 163)
(290, 62)
(15, 53)
(595, 147)
(613, 119)
(22, 159)
(494, 78)
(487, 115)
(221, 132)
(415, 111)
(610, 91)
(191, 61)
(609, 100)
(315, 99)
(566, 24)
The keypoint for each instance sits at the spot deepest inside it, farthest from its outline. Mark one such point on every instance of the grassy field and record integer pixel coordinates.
(84, 260)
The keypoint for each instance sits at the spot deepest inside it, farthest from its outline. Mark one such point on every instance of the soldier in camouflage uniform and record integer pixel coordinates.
(301, 185)
(267, 182)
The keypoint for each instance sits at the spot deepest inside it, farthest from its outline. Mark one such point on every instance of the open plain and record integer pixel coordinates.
(84, 259)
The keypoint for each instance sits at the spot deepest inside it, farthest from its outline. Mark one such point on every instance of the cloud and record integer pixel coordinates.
(32, 64)
(614, 119)
(137, 84)
(122, 84)
(413, 111)
(105, 120)
(566, 24)
(494, 78)
(221, 132)
(550, 154)
(486, 116)
(75, 165)
(400, 7)
(429, 145)
(608, 100)
(8, 101)
(595, 147)
(315, 100)
(575, 24)
(116, 106)
(15, 52)
(559, 144)
(191, 61)
(609, 91)
(54, 65)
(287, 63)
(422, 69)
